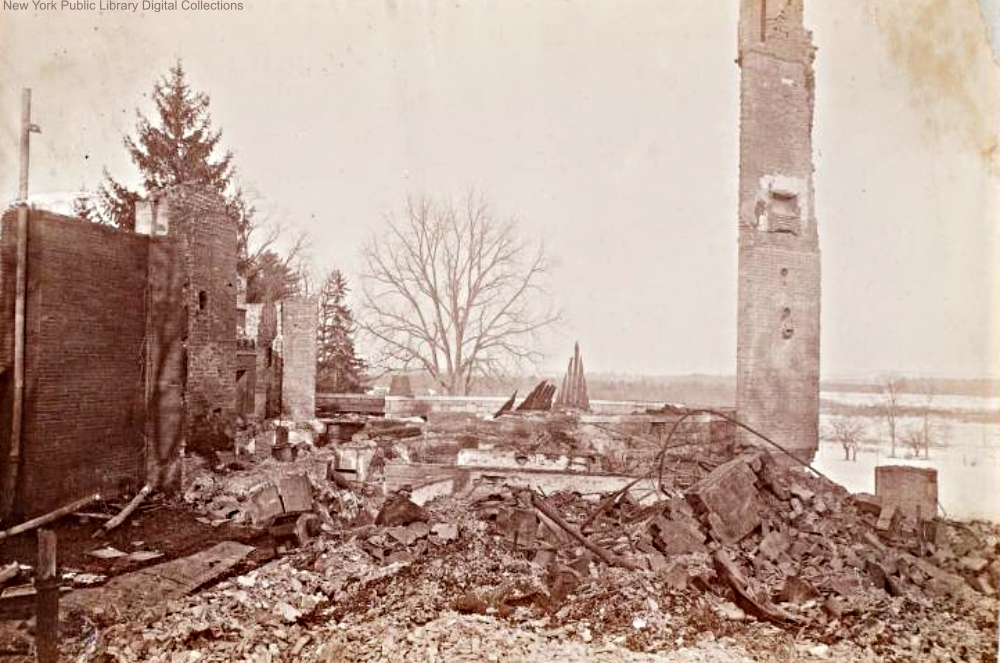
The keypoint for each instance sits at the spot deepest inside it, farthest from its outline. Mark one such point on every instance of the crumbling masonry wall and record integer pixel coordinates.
(779, 259)
(130, 340)
(298, 356)
(206, 238)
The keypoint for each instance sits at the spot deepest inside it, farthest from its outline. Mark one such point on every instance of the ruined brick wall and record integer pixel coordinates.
(85, 322)
(298, 356)
(206, 238)
(779, 260)
(130, 343)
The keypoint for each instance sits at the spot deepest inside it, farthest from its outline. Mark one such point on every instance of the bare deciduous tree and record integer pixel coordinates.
(891, 389)
(929, 432)
(849, 432)
(452, 290)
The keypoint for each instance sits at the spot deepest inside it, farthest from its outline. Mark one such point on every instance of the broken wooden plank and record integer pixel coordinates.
(158, 584)
(51, 516)
(539, 503)
(128, 510)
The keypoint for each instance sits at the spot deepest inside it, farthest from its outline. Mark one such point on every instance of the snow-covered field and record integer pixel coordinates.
(967, 458)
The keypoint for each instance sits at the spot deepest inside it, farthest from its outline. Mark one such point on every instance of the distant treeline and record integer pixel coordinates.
(840, 409)
(985, 387)
(706, 390)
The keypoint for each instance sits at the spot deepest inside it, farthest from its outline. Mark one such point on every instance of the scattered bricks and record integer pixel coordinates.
(543, 557)
(846, 585)
(836, 607)
(674, 575)
(796, 505)
(445, 531)
(974, 564)
(409, 534)
(983, 585)
(888, 520)
(400, 510)
(296, 493)
(519, 525)
(874, 541)
(890, 563)
(819, 506)
(939, 581)
(804, 494)
(729, 498)
(770, 478)
(800, 548)
(774, 545)
(582, 564)
(909, 488)
(934, 532)
(876, 574)
(562, 580)
(866, 503)
(894, 586)
(796, 590)
(674, 538)
(852, 559)
(655, 561)
(306, 527)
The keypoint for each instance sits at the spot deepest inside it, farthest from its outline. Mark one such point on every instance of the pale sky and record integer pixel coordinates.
(608, 127)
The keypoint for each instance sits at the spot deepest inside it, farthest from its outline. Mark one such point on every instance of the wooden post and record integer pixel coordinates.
(47, 599)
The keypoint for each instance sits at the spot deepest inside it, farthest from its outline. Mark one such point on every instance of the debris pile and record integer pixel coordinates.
(772, 562)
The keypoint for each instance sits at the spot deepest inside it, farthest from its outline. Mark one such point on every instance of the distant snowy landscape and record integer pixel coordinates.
(966, 453)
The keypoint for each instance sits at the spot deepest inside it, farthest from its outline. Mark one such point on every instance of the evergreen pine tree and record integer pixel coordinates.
(179, 146)
(337, 367)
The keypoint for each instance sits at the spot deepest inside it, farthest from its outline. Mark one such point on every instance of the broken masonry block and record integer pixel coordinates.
(913, 490)
(973, 564)
(876, 574)
(674, 538)
(796, 590)
(770, 477)
(866, 503)
(727, 499)
(266, 505)
(888, 519)
(296, 493)
(774, 545)
(801, 492)
(400, 510)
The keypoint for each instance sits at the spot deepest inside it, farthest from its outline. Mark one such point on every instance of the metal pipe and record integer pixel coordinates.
(14, 455)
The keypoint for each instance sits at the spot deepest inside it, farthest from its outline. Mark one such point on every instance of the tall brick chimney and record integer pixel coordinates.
(777, 356)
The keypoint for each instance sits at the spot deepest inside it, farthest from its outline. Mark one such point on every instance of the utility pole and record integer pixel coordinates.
(14, 458)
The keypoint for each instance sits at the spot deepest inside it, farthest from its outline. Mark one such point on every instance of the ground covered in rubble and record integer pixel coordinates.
(794, 569)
